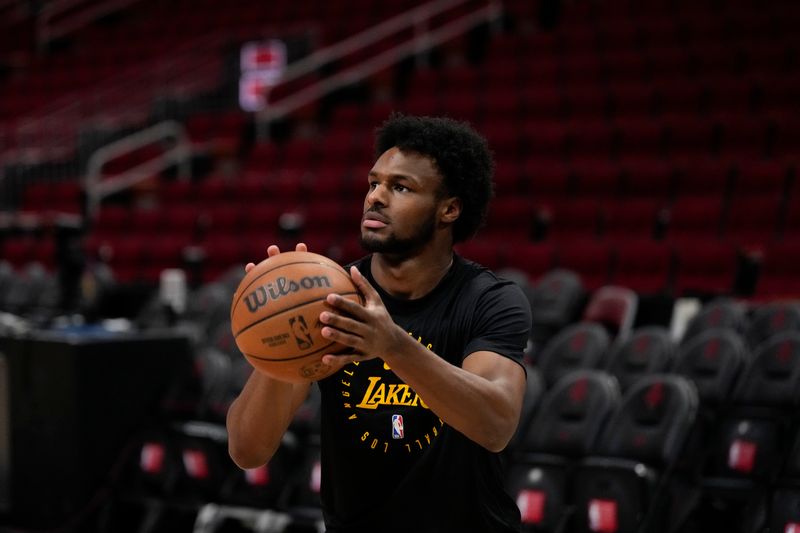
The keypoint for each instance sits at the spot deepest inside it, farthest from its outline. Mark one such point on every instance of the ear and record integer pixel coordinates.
(450, 210)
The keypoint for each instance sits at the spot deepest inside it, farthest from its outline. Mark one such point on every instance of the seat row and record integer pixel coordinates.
(650, 434)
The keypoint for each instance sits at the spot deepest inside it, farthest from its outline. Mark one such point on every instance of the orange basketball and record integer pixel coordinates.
(275, 314)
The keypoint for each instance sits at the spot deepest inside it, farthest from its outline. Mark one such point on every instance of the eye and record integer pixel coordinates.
(400, 188)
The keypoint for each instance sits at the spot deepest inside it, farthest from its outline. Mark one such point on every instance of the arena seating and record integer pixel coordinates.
(646, 155)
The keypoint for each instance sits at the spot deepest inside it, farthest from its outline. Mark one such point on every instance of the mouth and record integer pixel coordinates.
(373, 220)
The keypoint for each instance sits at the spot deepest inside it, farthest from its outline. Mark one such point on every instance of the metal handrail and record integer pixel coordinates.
(420, 43)
(45, 32)
(13, 11)
(191, 65)
(96, 189)
(367, 37)
(180, 153)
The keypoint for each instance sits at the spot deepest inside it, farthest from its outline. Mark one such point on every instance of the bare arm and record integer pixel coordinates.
(259, 417)
(482, 399)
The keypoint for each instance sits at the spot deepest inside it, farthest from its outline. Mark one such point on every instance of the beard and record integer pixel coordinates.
(394, 245)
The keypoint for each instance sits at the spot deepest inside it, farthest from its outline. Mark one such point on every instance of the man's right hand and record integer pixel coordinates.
(273, 250)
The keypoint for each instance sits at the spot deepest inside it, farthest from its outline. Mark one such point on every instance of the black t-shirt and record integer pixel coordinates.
(389, 464)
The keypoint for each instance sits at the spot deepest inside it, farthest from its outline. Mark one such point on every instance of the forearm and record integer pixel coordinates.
(259, 417)
(484, 410)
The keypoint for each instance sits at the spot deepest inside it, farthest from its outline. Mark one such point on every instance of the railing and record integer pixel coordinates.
(179, 153)
(424, 39)
(62, 17)
(13, 11)
(125, 99)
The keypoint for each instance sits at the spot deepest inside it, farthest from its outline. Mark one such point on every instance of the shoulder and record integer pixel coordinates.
(481, 283)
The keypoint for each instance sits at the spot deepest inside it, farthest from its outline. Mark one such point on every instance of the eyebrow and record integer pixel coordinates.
(396, 176)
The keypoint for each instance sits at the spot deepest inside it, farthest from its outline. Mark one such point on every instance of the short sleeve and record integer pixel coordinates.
(502, 322)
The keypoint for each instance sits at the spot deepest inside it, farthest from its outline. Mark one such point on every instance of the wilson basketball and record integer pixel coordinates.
(275, 314)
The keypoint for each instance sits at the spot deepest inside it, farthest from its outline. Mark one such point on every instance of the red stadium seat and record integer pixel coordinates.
(590, 259)
(752, 221)
(647, 179)
(546, 179)
(638, 219)
(644, 266)
(596, 178)
(778, 277)
(487, 252)
(510, 219)
(633, 100)
(534, 259)
(702, 176)
(705, 267)
(571, 220)
(613, 306)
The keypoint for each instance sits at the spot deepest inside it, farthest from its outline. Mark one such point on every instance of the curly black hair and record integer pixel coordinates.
(461, 155)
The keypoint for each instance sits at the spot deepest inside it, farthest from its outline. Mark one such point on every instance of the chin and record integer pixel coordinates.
(370, 244)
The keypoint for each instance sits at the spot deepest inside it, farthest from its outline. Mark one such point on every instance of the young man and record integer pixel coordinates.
(414, 419)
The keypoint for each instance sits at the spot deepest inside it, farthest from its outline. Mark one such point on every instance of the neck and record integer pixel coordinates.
(414, 276)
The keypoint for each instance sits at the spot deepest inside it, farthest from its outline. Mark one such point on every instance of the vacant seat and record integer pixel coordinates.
(752, 221)
(719, 313)
(593, 138)
(644, 266)
(695, 218)
(707, 268)
(628, 482)
(546, 137)
(562, 430)
(713, 359)
(785, 509)
(546, 179)
(591, 259)
(596, 178)
(743, 135)
(688, 134)
(579, 346)
(631, 220)
(570, 220)
(648, 350)
(535, 259)
(778, 277)
(702, 175)
(556, 300)
(647, 178)
(510, 219)
(634, 100)
(534, 391)
(771, 319)
(583, 103)
(748, 452)
(761, 178)
(613, 307)
(486, 252)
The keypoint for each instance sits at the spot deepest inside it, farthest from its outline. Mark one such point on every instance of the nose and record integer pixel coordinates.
(376, 196)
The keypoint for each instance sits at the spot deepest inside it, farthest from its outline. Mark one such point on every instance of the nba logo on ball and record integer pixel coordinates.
(397, 426)
(301, 334)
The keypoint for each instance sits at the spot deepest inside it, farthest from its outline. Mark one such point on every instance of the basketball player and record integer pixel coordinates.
(414, 419)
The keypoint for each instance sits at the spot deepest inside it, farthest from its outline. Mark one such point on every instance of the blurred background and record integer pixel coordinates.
(646, 201)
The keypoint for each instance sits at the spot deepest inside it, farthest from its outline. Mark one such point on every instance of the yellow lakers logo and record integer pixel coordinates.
(406, 431)
(389, 394)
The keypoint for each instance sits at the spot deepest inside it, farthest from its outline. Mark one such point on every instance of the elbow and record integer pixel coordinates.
(496, 443)
(246, 457)
(497, 437)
